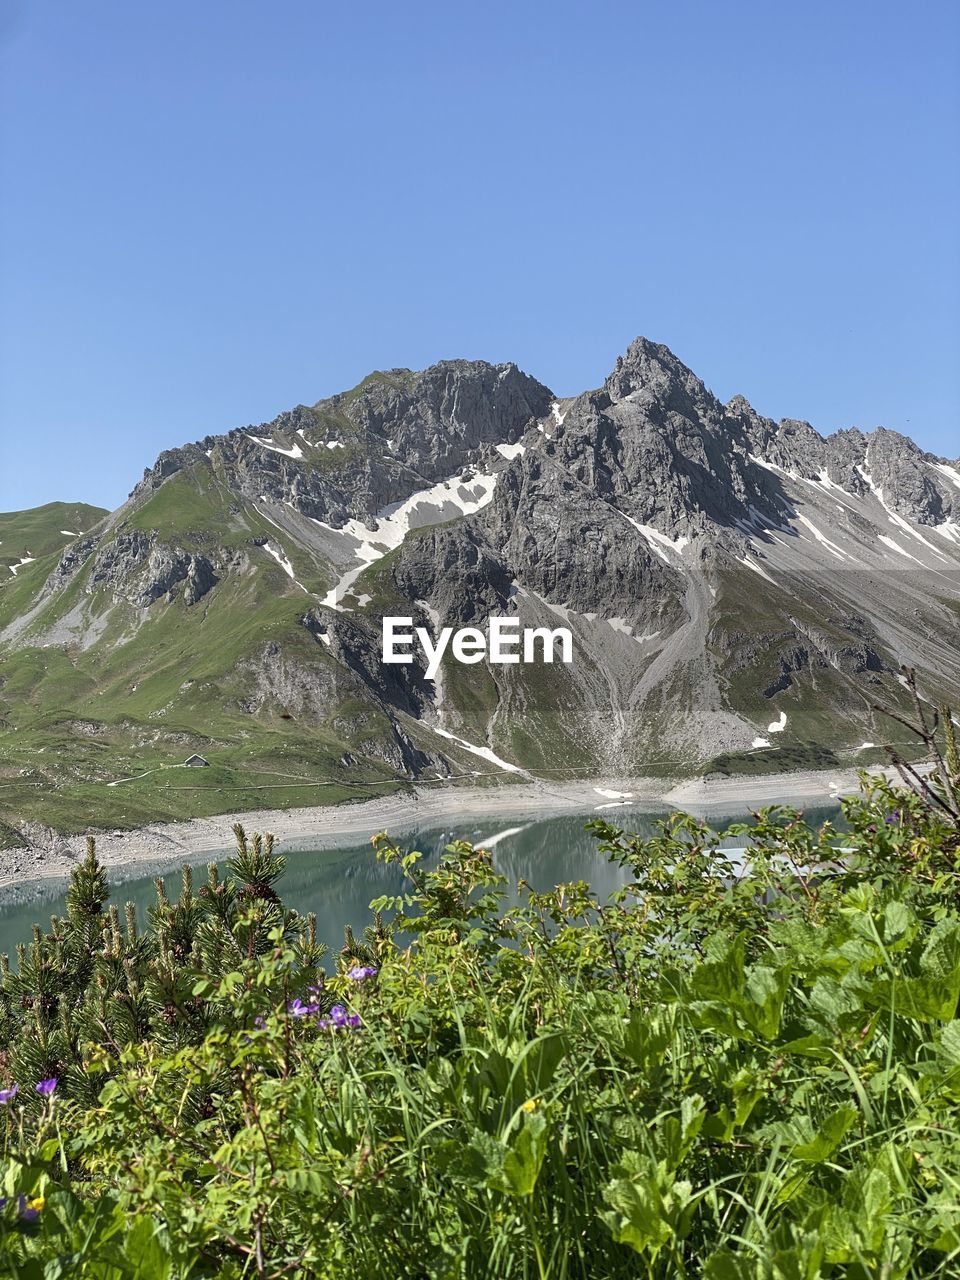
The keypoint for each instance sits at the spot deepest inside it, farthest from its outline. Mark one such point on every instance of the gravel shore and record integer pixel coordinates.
(43, 868)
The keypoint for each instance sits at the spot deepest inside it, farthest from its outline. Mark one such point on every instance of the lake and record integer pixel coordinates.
(339, 884)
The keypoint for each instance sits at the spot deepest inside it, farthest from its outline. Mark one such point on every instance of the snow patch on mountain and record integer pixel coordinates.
(483, 752)
(295, 452)
(751, 564)
(658, 542)
(895, 546)
(774, 467)
(441, 502)
(822, 538)
(284, 564)
(952, 474)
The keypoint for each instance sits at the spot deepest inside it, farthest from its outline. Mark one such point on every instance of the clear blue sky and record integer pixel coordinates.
(212, 211)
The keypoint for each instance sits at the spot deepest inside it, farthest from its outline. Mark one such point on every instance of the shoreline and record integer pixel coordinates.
(43, 869)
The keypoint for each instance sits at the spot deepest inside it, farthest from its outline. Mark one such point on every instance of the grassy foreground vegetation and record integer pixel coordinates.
(739, 1075)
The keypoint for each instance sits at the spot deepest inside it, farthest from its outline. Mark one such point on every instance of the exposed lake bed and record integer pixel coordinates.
(42, 868)
(477, 813)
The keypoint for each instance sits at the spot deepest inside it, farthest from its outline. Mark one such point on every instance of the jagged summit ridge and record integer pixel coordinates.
(651, 369)
(349, 456)
(425, 426)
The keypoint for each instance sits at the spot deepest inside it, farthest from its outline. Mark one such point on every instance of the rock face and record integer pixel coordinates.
(138, 568)
(350, 456)
(355, 644)
(73, 557)
(457, 571)
(728, 580)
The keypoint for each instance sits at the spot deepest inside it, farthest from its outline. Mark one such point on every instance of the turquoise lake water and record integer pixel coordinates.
(339, 884)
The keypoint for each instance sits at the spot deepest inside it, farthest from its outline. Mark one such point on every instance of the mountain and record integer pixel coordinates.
(740, 592)
(26, 536)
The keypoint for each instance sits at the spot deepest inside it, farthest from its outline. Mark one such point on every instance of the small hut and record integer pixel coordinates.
(196, 762)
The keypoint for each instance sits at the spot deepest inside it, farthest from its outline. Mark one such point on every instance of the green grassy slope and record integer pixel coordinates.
(129, 708)
(41, 531)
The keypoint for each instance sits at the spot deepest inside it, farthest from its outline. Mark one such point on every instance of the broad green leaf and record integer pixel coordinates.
(637, 1217)
(722, 977)
(727, 1265)
(524, 1156)
(145, 1252)
(679, 1132)
(941, 955)
(646, 1036)
(897, 919)
(948, 1045)
(762, 1005)
(827, 1138)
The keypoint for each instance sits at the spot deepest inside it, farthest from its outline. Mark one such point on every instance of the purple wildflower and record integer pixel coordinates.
(360, 972)
(45, 1088)
(259, 1022)
(892, 817)
(8, 1095)
(339, 1019)
(338, 1015)
(297, 1009)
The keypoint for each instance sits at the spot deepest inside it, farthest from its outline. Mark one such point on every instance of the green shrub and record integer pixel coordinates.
(718, 1073)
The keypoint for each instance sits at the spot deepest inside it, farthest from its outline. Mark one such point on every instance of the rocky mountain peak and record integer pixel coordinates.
(467, 400)
(740, 406)
(650, 370)
(898, 469)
